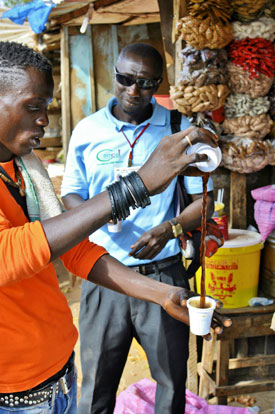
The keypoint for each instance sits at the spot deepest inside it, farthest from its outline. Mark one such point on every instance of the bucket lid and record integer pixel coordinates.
(241, 238)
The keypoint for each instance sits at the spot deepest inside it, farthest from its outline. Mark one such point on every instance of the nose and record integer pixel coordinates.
(43, 119)
(133, 90)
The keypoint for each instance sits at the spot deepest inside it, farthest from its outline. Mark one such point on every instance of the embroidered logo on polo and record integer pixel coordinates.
(108, 156)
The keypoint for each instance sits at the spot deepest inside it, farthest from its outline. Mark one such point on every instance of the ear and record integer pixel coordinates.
(159, 82)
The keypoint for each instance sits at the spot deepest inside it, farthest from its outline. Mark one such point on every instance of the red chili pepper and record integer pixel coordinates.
(253, 55)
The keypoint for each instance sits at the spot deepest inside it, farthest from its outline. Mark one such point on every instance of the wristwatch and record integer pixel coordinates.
(176, 228)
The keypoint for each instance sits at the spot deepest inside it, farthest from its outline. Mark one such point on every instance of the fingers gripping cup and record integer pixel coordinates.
(200, 318)
(214, 156)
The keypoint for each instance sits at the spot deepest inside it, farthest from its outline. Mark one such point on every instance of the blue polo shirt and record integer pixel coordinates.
(97, 148)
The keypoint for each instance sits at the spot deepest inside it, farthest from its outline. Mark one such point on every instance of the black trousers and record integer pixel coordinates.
(108, 322)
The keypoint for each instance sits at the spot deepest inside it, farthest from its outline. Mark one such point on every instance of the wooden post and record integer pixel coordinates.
(205, 367)
(222, 368)
(82, 76)
(166, 25)
(65, 89)
(238, 218)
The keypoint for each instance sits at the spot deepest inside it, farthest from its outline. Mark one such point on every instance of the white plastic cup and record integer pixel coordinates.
(200, 318)
(214, 156)
(114, 228)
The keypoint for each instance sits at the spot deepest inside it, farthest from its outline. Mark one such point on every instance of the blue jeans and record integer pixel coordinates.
(59, 404)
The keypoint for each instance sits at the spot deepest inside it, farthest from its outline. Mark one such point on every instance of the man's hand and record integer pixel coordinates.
(152, 242)
(112, 274)
(169, 159)
(177, 298)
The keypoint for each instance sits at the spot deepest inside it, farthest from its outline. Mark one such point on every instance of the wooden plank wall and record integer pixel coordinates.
(65, 89)
(92, 59)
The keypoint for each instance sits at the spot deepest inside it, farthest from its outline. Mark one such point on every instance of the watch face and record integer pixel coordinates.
(178, 229)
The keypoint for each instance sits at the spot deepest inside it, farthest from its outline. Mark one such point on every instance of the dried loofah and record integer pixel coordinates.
(205, 33)
(188, 99)
(239, 82)
(242, 104)
(253, 127)
(219, 10)
(248, 10)
(244, 155)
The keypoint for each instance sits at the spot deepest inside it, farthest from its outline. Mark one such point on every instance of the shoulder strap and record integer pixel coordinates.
(15, 193)
(175, 120)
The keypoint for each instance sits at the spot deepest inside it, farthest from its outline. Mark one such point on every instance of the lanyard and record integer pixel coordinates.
(133, 144)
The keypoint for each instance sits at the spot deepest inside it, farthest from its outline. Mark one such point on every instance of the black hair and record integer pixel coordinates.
(144, 50)
(15, 57)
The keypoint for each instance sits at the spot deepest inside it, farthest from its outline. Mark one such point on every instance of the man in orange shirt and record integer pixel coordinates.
(36, 329)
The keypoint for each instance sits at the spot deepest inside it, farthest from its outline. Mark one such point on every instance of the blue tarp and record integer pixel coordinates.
(37, 12)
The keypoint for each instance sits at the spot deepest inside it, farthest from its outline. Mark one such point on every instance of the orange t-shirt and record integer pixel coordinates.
(37, 334)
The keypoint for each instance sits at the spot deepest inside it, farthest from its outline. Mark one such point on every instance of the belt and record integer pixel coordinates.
(42, 392)
(158, 265)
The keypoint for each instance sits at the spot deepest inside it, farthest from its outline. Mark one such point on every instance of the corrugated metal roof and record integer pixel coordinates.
(105, 11)
(72, 13)
(12, 32)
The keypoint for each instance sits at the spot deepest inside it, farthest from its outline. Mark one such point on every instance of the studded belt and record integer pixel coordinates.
(158, 265)
(42, 392)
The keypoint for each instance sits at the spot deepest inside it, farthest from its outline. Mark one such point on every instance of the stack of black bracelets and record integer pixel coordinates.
(128, 192)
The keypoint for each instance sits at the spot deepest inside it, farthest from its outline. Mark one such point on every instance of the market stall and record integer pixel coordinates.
(224, 77)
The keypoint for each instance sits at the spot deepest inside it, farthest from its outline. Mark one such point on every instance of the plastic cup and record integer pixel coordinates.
(214, 156)
(200, 318)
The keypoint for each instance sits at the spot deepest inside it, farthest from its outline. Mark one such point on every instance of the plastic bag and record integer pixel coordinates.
(139, 398)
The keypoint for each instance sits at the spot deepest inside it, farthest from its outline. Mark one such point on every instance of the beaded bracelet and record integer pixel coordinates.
(129, 191)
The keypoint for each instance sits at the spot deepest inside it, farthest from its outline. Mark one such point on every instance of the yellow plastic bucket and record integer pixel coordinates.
(232, 273)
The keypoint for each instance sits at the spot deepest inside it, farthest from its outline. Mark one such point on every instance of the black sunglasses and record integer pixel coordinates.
(127, 80)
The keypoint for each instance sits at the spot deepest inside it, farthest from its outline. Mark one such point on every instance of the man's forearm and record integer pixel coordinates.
(72, 200)
(112, 274)
(190, 218)
(68, 229)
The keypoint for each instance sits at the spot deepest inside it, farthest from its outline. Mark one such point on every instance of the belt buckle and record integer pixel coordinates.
(64, 385)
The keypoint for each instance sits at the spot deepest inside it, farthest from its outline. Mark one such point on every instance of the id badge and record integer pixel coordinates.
(121, 171)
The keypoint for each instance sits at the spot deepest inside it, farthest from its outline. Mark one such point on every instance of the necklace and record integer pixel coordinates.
(130, 159)
(9, 181)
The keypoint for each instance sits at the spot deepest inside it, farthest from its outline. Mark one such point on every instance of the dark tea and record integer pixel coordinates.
(203, 234)
(197, 304)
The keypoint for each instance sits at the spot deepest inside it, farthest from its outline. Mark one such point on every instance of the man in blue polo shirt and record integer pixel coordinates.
(103, 146)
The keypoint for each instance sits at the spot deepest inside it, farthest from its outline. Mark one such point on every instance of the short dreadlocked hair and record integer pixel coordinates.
(15, 57)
